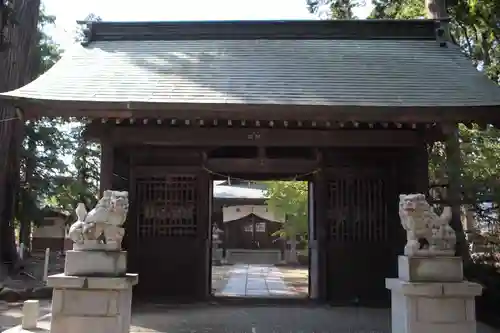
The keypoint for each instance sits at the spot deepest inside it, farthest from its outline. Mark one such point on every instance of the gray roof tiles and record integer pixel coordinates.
(350, 72)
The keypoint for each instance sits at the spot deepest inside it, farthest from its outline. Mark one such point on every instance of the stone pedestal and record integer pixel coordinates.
(91, 304)
(94, 294)
(217, 256)
(216, 251)
(100, 263)
(430, 296)
(433, 269)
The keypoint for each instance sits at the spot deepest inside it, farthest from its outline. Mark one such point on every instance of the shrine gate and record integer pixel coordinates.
(349, 106)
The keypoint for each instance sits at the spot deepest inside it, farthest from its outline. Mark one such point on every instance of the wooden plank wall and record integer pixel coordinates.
(363, 231)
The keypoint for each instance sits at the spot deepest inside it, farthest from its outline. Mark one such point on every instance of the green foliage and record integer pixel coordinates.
(397, 9)
(49, 52)
(475, 28)
(289, 199)
(59, 168)
(80, 180)
(43, 144)
(86, 160)
(481, 167)
(338, 9)
(41, 165)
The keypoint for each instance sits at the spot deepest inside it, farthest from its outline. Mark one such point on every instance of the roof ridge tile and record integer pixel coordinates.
(254, 30)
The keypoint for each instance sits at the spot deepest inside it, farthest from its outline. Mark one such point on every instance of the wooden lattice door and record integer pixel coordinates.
(167, 253)
(358, 234)
(166, 207)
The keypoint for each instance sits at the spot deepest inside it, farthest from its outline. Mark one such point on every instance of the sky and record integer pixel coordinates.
(67, 12)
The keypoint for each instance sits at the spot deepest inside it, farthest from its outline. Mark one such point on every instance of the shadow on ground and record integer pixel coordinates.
(263, 319)
(200, 318)
(258, 319)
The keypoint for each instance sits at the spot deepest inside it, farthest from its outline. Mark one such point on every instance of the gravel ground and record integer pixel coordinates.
(265, 319)
(251, 319)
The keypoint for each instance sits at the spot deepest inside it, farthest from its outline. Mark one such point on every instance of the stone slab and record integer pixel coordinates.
(434, 289)
(256, 280)
(94, 245)
(84, 324)
(84, 302)
(95, 263)
(78, 282)
(430, 269)
(91, 304)
(433, 307)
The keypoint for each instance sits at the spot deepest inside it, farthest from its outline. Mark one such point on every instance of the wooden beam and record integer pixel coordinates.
(208, 137)
(252, 165)
(417, 114)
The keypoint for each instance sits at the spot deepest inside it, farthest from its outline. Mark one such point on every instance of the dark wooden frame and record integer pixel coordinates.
(127, 110)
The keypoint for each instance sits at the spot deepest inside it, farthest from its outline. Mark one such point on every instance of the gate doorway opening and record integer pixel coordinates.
(259, 239)
(352, 210)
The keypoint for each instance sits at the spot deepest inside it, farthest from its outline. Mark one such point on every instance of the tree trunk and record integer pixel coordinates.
(18, 65)
(26, 216)
(435, 9)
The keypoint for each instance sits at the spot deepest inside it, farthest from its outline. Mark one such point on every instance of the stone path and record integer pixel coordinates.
(257, 281)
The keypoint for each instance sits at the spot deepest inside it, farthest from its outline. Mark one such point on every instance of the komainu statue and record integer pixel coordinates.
(427, 233)
(104, 221)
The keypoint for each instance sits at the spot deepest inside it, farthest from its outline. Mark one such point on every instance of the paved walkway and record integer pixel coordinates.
(257, 281)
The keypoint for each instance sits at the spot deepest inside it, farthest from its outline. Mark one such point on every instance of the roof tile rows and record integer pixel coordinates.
(328, 72)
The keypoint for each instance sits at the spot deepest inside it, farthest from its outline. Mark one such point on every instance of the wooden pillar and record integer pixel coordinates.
(107, 159)
(454, 192)
(204, 232)
(319, 236)
(422, 168)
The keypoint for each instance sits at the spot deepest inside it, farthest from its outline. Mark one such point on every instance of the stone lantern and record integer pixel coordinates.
(216, 241)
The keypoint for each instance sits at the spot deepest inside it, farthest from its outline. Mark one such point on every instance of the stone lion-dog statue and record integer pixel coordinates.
(106, 219)
(427, 234)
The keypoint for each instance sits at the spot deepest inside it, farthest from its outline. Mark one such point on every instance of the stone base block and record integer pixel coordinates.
(94, 245)
(217, 255)
(433, 307)
(95, 263)
(31, 312)
(91, 304)
(430, 269)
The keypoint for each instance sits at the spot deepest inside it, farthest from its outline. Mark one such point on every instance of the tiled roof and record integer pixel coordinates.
(330, 72)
